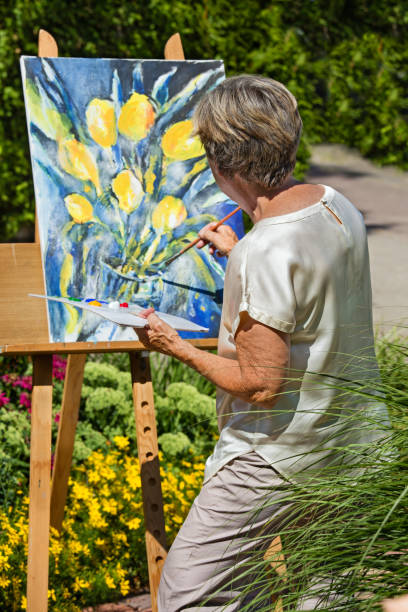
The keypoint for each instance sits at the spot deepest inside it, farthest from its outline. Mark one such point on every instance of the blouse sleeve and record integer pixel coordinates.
(267, 292)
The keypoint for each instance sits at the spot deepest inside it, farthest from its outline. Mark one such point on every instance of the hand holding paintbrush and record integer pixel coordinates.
(220, 242)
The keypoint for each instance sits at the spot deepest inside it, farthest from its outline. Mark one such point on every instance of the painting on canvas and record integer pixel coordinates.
(122, 184)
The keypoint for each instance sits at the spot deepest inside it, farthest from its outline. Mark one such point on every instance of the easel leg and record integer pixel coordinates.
(149, 469)
(40, 475)
(276, 558)
(66, 437)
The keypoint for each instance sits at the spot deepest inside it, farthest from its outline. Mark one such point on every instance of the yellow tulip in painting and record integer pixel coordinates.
(128, 190)
(79, 207)
(179, 142)
(168, 214)
(101, 122)
(136, 117)
(76, 159)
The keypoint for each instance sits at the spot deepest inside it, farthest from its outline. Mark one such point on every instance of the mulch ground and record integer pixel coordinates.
(137, 603)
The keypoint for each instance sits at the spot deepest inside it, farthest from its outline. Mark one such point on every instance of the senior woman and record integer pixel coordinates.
(297, 300)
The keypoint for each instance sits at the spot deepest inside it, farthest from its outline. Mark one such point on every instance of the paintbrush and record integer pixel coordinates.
(197, 240)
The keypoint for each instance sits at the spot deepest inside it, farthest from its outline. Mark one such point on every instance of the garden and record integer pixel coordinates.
(356, 543)
(346, 63)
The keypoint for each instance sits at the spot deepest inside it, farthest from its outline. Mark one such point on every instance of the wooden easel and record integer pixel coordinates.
(24, 331)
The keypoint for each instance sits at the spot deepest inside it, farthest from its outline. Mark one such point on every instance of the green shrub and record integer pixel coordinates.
(110, 412)
(183, 410)
(345, 62)
(173, 444)
(100, 375)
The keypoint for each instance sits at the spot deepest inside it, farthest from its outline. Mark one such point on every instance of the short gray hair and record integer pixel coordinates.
(250, 125)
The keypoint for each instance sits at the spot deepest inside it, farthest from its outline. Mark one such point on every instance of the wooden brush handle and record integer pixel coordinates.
(197, 240)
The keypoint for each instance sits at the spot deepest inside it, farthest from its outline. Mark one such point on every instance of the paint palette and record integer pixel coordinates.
(122, 314)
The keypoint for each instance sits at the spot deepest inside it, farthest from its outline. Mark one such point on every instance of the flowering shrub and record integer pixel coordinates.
(15, 414)
(100, 553)
(106, 411)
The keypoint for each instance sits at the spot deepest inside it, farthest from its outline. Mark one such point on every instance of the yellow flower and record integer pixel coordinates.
(109, 582)
(134, 523)
(93, 477)
(79, 207)
(76, 159)
(80, 584)
(51, 595)
(101, 122)
(128, 190)
(75, 547)
(110, 506)
(136, 117)
(24, 602)
(124, 587)
(179, 143)
(121, 442)
(168, 214)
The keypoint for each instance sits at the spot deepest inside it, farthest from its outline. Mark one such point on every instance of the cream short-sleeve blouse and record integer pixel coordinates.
(305, 273)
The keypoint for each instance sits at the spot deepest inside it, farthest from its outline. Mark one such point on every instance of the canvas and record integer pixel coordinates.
(122, 184)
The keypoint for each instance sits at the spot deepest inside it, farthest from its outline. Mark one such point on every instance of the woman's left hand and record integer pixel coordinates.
(157, 335)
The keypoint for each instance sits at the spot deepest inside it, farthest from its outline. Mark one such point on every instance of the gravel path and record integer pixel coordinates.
(381, 194)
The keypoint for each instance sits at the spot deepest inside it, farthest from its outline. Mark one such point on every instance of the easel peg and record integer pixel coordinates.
(47, 45)
(173, 49)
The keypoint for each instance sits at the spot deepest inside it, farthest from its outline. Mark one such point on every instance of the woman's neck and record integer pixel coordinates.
(289, 197)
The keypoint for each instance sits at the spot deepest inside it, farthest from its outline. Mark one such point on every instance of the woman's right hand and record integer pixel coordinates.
(221, 241)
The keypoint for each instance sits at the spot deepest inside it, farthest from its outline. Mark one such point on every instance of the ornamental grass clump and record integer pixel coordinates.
(343, 529)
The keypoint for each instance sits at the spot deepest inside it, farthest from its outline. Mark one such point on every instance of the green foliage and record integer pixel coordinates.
(100, 375)
(87, 440)
(346, 63)
(173, 444)
(109, 411)
(166, 370)
(188, 415)
(185, 414)
(14, 434)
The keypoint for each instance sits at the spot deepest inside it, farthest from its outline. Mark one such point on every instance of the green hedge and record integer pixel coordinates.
(345, 61)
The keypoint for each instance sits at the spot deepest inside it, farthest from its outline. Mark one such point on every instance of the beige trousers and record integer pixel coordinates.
(229, 522)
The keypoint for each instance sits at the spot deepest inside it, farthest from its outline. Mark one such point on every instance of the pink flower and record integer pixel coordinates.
(3, 399)
(58, 367)
(25, 382)
(57, 417)
(25, 400)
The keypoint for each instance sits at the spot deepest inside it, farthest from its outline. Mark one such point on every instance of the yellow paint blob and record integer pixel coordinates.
(169, 213)
(136, 117)
(94, 303)
(76, 159)
(65, 279)
(128, 190)
(150, 176)
(179, 143)
(101, 122)
(79, 207)
(66, 273)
